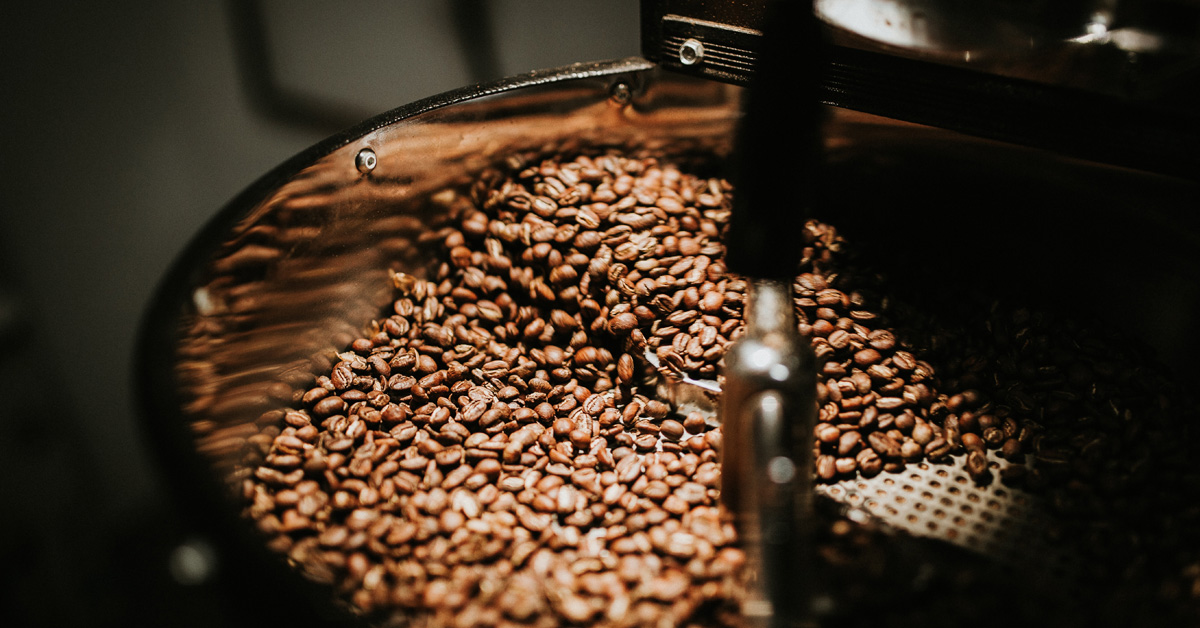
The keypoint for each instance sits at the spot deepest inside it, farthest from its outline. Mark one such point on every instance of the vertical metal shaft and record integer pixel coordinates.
(768, 410)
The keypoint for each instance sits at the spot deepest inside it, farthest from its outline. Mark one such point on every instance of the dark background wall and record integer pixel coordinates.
(123, 128)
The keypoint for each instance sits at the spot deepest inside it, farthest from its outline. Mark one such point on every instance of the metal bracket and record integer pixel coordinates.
(716, 51)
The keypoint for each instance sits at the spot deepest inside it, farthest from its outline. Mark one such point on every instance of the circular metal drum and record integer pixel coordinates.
(988, 264)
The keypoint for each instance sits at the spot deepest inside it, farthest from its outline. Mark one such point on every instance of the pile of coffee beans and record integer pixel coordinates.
(488, 453)
(484, 454)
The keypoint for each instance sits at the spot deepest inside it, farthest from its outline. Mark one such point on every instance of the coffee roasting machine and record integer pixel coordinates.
(1040, 151)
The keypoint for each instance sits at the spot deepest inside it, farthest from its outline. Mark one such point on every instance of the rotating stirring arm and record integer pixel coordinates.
(768, 405)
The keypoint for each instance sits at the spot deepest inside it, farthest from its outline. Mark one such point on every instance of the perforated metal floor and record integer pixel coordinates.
(941, 501)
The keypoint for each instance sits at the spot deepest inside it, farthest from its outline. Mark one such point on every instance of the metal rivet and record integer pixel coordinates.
(621, 93)
(365, 160)
(691, 52)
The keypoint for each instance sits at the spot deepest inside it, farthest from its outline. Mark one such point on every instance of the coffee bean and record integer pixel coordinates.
(884, 445)
(826, 467)
(922, 433)
(845, 466)
(867, 357)
(329, 405)
(849, 442)
(672, 429)
(937, 449)
(976, 463)
(869, 463)
(881, 340)
(904, 361)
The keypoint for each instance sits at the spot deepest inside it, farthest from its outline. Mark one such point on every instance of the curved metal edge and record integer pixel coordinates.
(157, 403)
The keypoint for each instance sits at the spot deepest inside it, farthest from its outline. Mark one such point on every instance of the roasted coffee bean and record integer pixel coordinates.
(937, 449)
(869, 463)
(867, 357)
(1011, 449)
(845, 466)
(625, 368)
(826, 467)
(884, 445)
(881, 340)
(977, 464)
(695, 423)
(849, 443)
(672, 429)
(827, 433)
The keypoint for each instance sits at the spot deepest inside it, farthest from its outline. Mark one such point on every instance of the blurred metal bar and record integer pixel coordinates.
(265, 92)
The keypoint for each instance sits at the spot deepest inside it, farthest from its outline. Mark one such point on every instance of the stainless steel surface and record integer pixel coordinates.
(941, 502)
(685, 393)
(768, 412)
(974, 28)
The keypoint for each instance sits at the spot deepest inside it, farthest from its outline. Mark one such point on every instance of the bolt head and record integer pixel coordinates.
(691, 52)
